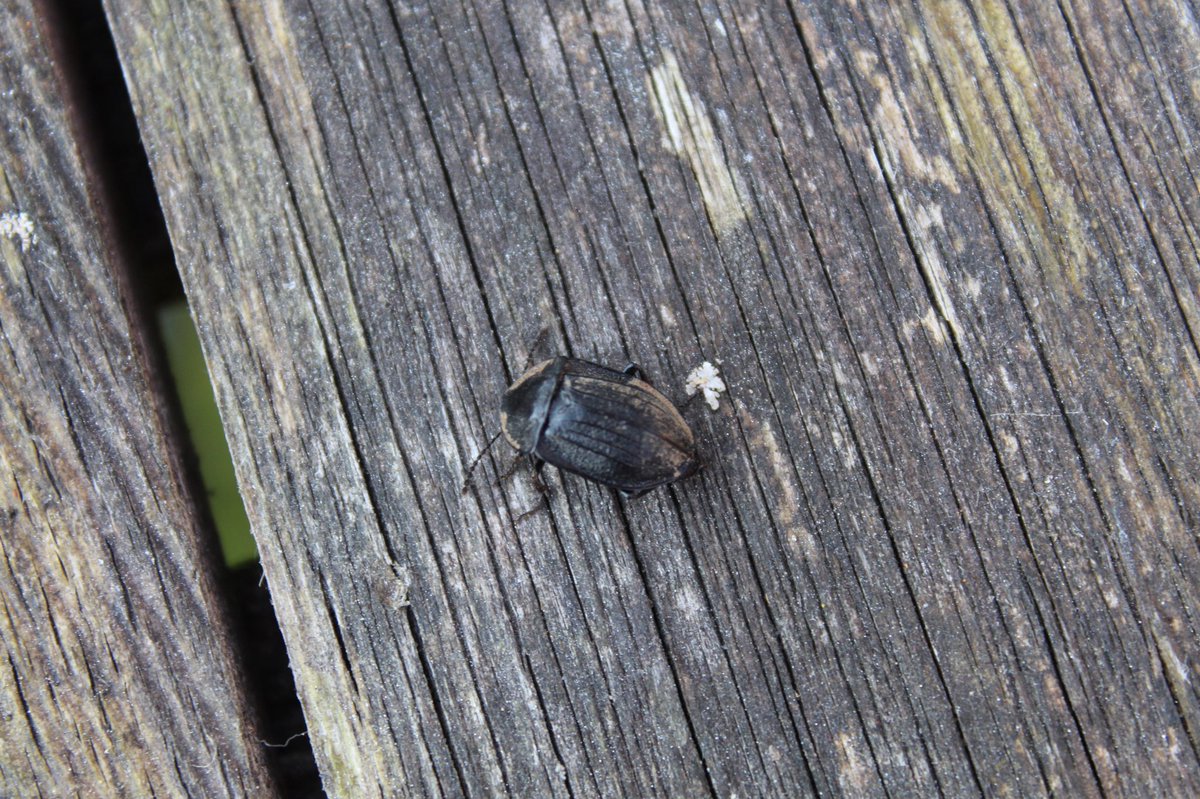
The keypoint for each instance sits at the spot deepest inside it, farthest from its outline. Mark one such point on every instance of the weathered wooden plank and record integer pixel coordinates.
(1078, 357)
(946, 540)
(117, 676)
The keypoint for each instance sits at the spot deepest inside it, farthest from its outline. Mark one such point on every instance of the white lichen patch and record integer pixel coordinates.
(707, 379)
(481, 157)
(690, 135)
(17, 226)
(783, 477)
(928, 218)
(933, 326)
(901, 150)
(688, 603)
(853, 774)
(869, 363)
(974, 287)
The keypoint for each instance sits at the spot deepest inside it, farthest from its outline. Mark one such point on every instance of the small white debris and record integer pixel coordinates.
(18, 225)
(705, 378)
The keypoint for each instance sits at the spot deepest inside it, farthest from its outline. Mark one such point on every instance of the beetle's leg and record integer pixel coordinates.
(538, 483)
(634, 494)
(633, 370)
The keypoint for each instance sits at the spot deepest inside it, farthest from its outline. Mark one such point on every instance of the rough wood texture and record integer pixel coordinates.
(946, 542)
(116, 677)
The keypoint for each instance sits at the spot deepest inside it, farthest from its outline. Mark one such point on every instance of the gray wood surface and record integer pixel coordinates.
(117, 676)
(946, 257)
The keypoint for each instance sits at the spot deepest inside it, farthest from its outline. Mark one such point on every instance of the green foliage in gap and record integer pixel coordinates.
(195, 392)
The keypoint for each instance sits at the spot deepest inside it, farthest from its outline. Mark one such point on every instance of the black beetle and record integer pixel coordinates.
(608, 426)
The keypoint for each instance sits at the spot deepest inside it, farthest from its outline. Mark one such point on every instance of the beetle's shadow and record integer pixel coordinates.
(545, 491)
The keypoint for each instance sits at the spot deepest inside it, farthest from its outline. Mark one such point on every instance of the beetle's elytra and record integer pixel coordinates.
(608, 426)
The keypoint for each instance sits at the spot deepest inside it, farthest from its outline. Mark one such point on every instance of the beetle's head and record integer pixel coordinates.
(526, 403)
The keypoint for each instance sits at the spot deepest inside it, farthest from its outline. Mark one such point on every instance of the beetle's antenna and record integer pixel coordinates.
(474, 463)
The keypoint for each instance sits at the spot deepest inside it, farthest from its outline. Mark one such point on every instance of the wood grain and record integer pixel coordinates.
(117, 677)
(945, 254)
